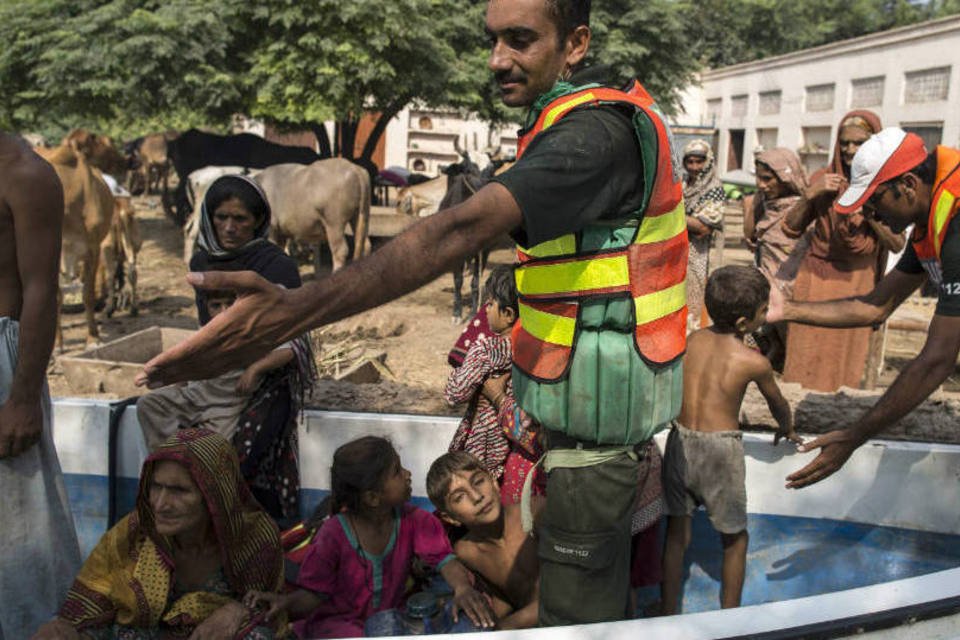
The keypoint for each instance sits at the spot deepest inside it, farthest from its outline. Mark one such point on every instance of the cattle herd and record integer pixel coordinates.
(314, 200)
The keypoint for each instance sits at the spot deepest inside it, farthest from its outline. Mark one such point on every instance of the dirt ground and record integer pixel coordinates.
(416, 333)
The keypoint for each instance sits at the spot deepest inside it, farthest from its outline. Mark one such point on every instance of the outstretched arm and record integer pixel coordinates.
(37, 208)
(266, 315)
(915, 383)
(858, 311)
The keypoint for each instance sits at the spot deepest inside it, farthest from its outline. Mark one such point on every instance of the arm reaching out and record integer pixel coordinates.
(266, 315)
(779, 406)
(915, 383)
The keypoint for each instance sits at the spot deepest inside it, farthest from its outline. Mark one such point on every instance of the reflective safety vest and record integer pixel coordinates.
(632, 270)
(944, 204)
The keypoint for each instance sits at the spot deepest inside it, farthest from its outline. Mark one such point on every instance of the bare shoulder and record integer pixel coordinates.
(466, 549)
(754, 363)
(20, 166)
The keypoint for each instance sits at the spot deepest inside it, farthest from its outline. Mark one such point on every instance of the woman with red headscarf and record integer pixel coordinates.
(845, 257)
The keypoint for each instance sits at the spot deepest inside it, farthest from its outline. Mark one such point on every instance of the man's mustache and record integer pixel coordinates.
(504, 78)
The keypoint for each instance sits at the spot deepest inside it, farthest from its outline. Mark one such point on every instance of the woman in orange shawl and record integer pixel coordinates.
(183, 559)
(845, 257)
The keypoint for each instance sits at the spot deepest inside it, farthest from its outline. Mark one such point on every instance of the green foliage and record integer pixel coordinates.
(647, 41)
(725, 32)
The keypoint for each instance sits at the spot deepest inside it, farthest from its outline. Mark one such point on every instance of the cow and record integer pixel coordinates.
(118, 254)
(316, 202)
(88, 213)
(98, 150)
(195, 149)
(461, 180)
(422, 199)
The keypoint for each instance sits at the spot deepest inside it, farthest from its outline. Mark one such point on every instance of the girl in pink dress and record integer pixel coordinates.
(359, 561)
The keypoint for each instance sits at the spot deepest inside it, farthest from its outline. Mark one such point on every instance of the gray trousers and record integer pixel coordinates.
(39, 554)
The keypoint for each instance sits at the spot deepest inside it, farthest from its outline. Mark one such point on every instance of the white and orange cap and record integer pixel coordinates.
(883, 157)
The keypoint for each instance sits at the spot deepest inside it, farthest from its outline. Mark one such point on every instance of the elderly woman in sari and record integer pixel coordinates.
(180, 563)
(261, 416)
(780, 182)
(845, 259)
(703, 197)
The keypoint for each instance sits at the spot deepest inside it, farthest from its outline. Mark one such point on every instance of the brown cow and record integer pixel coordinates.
(118, 255)
(154, 161)
(99, 152)
(88, 212)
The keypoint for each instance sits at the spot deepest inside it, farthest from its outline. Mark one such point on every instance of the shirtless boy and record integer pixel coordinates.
(495, 546)
(39, 555)
(704, 462)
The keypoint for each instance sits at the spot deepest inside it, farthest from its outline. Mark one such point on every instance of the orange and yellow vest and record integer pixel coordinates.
(944, 204)
(597, 350)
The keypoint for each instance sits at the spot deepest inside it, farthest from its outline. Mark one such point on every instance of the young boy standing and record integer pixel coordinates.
(703, 463)
(495, 546)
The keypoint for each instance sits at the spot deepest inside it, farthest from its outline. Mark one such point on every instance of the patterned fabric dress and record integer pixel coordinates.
(703, 199)
(128, 588)
(479, 432)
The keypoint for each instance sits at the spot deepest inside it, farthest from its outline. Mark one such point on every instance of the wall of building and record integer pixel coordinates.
(909, 76)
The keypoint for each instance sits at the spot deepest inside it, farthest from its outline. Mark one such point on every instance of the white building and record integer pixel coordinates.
(908, 76)
(423, 140)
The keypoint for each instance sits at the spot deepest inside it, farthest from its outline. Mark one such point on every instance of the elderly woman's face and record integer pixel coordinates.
(178, 506)
(768, 183)
(234, 224)
(694, 165)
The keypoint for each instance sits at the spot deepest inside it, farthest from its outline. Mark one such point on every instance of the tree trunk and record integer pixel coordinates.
(323, 139)
(348, 137)
(377, 132)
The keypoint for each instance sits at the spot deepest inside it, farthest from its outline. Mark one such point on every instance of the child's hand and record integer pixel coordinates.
(476, 605)
(248, 382)
(275, 603)
(494, 389)
(790, 435)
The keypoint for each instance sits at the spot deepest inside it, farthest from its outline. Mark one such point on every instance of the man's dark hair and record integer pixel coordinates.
(926, 170)
(502, 287)
(441, 472)
(567, 15)
(735, 292)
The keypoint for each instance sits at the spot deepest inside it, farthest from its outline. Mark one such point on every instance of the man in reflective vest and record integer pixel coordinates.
(894, 178)
(595, 204)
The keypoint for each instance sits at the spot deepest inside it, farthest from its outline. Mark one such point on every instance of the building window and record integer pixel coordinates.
(930, 132)
(820, 97)
(815, 148)
(738, 106)
(425, 123)
(867, 92)
(714, 109)
(929, 85)
(770, 103)
(767, 138)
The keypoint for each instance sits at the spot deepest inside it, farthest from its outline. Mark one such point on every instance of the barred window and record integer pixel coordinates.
(767, 138)
(738, 106)
(770, 103)
(928, 85)
(867, 92)
(820, 97)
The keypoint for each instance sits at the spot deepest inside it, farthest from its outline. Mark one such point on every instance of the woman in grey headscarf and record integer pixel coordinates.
(234, 229)
(703, 198)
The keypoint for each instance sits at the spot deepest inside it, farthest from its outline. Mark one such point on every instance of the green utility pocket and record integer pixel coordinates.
(584, 577)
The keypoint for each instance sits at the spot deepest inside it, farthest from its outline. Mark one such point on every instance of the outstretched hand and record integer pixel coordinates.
(835, 448)
(264, 315)
(775, 306)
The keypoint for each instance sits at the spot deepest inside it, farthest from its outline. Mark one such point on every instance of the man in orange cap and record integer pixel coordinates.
(894, 178)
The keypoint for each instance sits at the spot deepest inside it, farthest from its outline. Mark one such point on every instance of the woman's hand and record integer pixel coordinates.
(223, 624)
(275, 603)
(56, 629)
(825, 184)
(249, 381)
